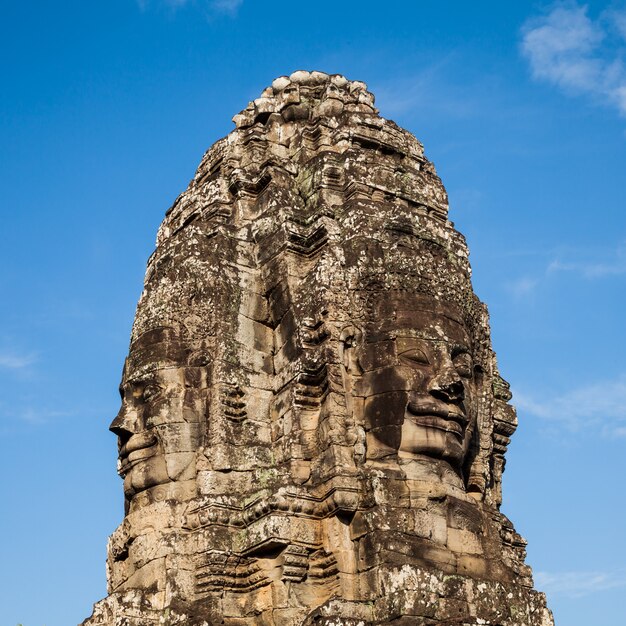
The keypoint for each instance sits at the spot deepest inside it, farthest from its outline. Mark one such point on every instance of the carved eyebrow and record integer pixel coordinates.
(131, 382)
(413, 349)
(412, 342)
(458, 348)
(142, 381)
(150, 373)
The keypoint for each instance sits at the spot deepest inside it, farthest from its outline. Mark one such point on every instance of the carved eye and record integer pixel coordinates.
(150, 392)
(463, 364)
(416, 356)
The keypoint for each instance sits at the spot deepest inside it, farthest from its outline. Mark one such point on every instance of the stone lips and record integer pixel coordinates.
(303, 469)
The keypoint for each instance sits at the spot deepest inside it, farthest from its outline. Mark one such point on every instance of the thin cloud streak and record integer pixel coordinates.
(619, 20)
(578, 584)
(522, 287)
(229, 7)
(600, 406)
(577, 54)
(431, 90)
(42, 416)
(35, 415)
(593, 269)
(579, 262)
(13, 361)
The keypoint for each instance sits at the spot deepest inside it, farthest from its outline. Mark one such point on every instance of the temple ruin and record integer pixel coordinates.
(313, 425)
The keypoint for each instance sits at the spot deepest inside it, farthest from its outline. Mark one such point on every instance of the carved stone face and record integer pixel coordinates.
(159, 424)
(419, 386)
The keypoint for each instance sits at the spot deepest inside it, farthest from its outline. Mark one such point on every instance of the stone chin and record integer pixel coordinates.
(433, 437)
(144, 465)
(145, 474)
(436, 429)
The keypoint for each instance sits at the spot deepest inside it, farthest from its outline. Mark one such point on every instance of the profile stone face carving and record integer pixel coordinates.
(163, 413)
(313, 424)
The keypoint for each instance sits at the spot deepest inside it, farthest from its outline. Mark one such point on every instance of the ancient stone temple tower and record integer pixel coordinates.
(313, 424)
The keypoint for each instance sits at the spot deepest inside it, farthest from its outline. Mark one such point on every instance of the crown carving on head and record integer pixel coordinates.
(306, 95)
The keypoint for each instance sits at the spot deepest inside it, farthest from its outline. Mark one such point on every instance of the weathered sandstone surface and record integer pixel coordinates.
(313, 424)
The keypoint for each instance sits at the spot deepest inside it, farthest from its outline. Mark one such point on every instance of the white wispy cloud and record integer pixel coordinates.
(613, 264)
(577, 584)
(580, 55)
(522, 286)
(600, 406)
(229, 7)
(590, 264)
(619, 19)
(34, 415)
(226, 6)
(425, 89)
(430, 90)
(37, 415)
(13, 361)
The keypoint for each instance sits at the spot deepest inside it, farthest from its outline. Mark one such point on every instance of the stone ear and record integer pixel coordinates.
(351, 339)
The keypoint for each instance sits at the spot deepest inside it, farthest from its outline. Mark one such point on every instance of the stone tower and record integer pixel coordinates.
(313, 424)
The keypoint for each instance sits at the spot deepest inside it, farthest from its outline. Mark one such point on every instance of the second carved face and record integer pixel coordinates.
(419, 385)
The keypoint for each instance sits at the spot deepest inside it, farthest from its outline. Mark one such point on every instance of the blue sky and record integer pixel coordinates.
(105, 112)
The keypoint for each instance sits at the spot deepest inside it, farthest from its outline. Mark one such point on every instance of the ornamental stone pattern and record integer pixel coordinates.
(313, 424)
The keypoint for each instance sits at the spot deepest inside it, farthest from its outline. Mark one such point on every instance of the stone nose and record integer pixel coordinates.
(447, 385)
(126, 423)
